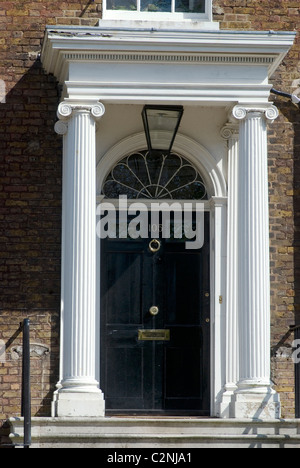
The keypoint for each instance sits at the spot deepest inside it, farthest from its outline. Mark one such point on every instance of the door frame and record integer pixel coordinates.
(216, 205)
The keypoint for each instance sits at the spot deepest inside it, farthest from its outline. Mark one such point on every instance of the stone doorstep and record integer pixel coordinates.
(163, 442)
(158, 433)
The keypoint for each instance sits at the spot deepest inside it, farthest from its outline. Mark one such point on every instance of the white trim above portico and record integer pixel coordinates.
(125, 65)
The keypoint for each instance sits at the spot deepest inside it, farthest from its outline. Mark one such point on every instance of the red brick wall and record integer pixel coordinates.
(30, 188)
(30, 205)
(30, 195)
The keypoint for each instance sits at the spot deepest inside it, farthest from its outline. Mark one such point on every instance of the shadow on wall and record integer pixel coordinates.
(30, 236)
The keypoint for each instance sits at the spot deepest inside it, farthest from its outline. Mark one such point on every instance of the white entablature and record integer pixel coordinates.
(154, 65)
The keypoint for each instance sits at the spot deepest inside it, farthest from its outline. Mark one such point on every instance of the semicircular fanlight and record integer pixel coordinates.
(155, 176)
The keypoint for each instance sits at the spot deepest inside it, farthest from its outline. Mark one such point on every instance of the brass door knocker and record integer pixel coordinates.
(154, 245)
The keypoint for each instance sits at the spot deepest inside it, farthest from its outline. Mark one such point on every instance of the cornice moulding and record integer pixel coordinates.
(64, 46)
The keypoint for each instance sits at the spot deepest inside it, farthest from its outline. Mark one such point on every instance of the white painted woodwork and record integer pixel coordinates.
(120, 64)
(231, 134)
(78, 393)
(254, 397)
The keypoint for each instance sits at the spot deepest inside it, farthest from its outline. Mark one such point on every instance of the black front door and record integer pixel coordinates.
(155, 330)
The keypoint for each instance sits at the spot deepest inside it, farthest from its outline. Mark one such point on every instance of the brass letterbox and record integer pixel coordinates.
(154, 335)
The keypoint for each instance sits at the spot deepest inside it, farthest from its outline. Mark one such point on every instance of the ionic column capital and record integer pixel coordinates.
(246, 112)
(66, 110)
(230, 131)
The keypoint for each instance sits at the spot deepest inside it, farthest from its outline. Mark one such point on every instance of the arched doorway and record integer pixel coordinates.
(155, 293)
(216, 214)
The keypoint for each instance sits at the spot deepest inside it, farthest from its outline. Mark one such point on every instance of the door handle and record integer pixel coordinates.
(154, 245)
(154, 311)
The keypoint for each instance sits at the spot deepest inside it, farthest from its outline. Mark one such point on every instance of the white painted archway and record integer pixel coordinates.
(216, 186)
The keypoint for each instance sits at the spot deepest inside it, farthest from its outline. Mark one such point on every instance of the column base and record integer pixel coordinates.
(226, 409)
(78, 405)
(256, 403)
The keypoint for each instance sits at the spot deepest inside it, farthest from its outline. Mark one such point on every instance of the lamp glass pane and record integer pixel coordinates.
(160, 120)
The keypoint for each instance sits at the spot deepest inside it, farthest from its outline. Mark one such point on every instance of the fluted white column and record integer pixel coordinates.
(231, 133)
(254, 397)
(78, 392)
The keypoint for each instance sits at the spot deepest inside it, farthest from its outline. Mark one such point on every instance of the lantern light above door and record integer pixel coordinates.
(158, 119)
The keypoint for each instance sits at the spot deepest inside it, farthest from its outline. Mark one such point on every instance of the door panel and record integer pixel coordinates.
(184, 287)
(184, 369)
(125, 276)
(164, 377)
(124, 273)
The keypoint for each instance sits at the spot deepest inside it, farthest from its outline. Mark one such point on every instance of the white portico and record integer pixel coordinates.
(222, 78)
